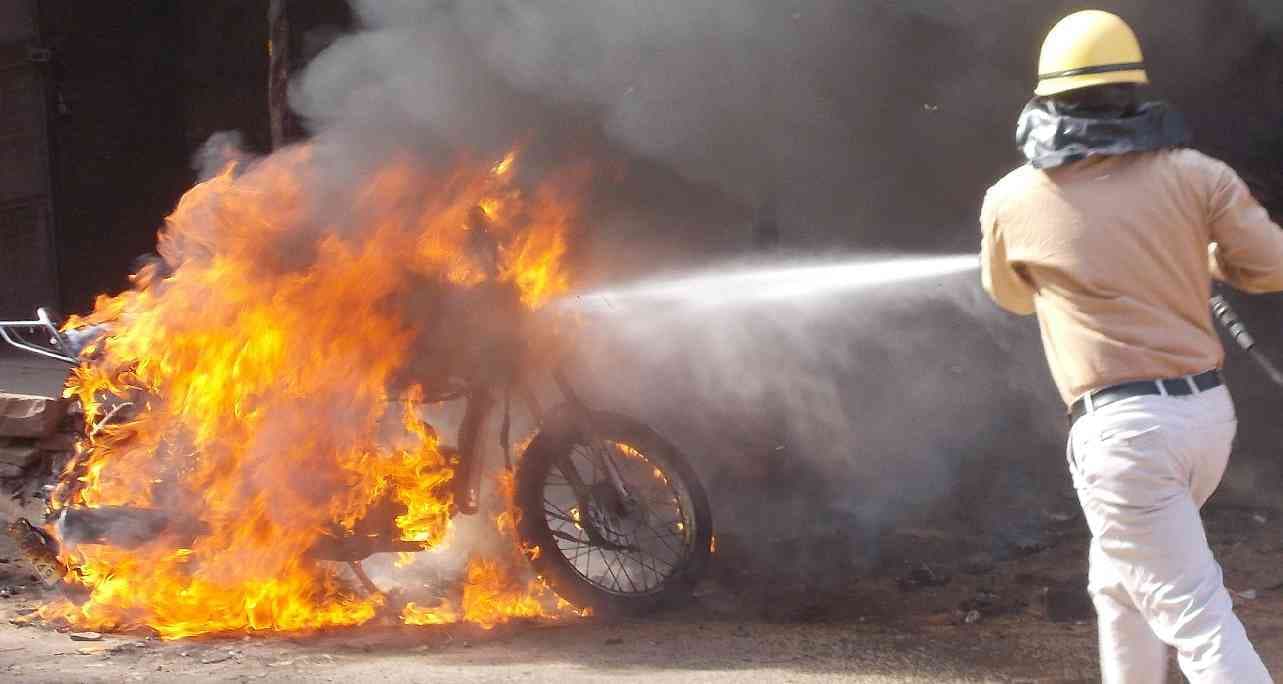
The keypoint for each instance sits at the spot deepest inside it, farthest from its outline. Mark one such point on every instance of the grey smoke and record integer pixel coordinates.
(871, 125)
(858, 117)
(844, 413)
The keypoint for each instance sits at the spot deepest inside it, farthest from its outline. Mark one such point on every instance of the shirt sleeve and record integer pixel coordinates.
(1247, 247)
(1000, 278)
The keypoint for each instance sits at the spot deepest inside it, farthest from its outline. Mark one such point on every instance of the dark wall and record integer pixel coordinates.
(223, 71)
(140, 86)
(143, 86)
(26, 232)
(120, 154)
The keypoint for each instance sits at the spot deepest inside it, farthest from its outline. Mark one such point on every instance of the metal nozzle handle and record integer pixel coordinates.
(1232, 324)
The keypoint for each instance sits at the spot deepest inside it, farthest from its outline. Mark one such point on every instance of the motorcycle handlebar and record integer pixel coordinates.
(59, 348)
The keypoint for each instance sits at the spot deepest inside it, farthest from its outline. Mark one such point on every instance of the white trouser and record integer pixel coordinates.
(1143, 467)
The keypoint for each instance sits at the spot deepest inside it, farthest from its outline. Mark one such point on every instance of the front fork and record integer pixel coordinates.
(480, 402)
(583, 421)
(467, 493)
(584, 495)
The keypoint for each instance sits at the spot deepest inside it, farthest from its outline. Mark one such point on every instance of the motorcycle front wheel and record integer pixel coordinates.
(615, 550)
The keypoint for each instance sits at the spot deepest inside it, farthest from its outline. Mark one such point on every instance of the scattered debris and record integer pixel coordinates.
(109, 650)
(984, 599)
(614, 641)
(85, 636)
(972, 617)
(95, 650)
(1249, 595)
(1068, 602)
(41, 552)
(1030, 547)
(943, 619)
(1259, 519)
(1061, 516)
(922, 576)
(981, 563)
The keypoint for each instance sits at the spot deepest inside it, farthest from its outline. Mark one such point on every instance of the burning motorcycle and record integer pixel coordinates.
(610, 514)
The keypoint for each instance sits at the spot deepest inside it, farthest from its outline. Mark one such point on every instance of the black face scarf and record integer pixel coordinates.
(1052, 135)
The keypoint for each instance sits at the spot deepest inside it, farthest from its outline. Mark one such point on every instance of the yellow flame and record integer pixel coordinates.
(256, 367)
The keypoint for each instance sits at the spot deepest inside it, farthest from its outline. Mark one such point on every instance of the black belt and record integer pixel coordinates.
(1176, 387)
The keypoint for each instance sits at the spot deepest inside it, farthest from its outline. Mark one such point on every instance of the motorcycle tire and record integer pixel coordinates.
(553, 445)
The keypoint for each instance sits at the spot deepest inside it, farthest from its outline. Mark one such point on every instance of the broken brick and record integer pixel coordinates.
(58, 441)
(30, 416)
(20, 454)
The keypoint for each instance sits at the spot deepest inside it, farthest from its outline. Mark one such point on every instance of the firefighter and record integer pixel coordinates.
(1112, 234)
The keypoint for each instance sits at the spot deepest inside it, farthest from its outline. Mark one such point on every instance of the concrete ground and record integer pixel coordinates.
(676, 647)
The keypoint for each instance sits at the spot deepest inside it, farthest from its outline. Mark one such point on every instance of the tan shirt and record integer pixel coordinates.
(1116, 255)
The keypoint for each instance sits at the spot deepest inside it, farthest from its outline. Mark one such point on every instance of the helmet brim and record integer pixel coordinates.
(1056, 86)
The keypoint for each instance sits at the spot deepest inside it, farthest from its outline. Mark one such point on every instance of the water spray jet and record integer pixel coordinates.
(775, 283)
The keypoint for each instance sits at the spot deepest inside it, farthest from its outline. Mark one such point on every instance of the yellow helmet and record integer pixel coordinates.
(1089, 48)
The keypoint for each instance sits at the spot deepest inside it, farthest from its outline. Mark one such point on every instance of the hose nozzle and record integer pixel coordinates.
(1233, 325)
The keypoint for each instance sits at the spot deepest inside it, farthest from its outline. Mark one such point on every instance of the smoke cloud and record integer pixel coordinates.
(870, 126)
(873, 125)
(844, 413)
(862, 121)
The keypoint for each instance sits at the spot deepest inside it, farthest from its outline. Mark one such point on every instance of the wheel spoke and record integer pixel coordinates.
(641, 561)
(671, 550)
(655, 507)
(613, 576)
(624, 568)
(558, 515)
(562, 535)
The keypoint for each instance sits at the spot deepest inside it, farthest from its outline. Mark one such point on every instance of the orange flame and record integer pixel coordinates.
(258, 366)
